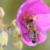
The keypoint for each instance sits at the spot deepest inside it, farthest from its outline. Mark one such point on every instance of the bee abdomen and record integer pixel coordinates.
(34, 37)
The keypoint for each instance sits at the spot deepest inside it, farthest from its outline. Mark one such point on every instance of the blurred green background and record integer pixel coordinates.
(11, 7)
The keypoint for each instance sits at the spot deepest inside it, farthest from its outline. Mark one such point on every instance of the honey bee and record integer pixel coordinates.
(32, 30)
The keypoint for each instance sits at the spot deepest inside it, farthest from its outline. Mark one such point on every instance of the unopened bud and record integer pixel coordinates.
(2, 13)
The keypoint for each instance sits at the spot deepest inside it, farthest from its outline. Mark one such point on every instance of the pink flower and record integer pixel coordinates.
(39, 12)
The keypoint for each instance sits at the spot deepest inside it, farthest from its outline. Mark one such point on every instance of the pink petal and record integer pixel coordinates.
(43, 21)
(43, 37)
